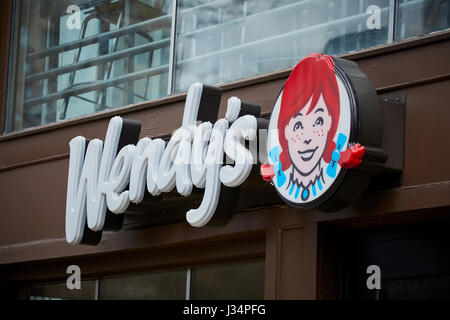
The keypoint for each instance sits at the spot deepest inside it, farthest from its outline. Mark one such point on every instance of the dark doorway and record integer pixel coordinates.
(414, 262)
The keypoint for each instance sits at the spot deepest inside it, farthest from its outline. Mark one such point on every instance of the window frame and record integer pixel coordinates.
(6, 36)
(7, 47)
(246, 247)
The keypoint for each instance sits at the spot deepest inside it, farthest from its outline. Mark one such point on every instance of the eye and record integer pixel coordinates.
(298, 125)
(319, 121)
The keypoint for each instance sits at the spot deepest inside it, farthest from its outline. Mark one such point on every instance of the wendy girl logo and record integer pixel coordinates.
(312, 133)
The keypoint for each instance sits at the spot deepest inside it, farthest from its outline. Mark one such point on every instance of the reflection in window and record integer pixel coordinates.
(426, 288)
(59, 291)
(231, 281)
(119, 56)
(224, 40)
(419, 17)
(162, 285)
(244, 280)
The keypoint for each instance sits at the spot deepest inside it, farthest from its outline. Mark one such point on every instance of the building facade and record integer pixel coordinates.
(66, 71)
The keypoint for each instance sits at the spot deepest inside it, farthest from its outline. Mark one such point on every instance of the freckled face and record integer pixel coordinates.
(307, 136)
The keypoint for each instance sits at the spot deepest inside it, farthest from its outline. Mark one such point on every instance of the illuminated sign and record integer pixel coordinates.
(99, 172)
(324, 145)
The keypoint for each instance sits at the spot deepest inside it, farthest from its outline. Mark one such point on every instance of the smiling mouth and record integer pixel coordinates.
(307, 154)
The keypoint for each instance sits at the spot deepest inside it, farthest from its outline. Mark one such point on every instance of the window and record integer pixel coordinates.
(118, 56)
(233, 281)
(129, 51)
(162, 285)
(220, 41)
(244, 280)
(418, 17)
(59, 291)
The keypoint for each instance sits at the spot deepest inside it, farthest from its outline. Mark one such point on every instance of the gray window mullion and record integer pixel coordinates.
(392, 18)
(188, 283)
(173, 33)
(97, 289)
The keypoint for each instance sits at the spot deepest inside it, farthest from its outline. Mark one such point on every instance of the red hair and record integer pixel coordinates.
(312, 77)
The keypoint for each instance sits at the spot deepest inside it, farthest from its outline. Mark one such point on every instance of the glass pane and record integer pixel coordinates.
(59, 291)
(231, 281)
(427, 288)
(419, 17)
(161, 285)
(223, 40)
(116, 55)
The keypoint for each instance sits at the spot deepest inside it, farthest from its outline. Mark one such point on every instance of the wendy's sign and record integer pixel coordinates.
(324, 145)
(325, 134)
(313, 126)
(105, 177)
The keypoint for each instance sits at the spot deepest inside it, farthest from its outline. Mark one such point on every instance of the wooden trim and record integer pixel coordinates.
(279, 74)
(93, 117)
(372, 207)
(271, 270)
(6, 8)
(35, 162)
(398, 45)
(296, 261)
(165, 236)
(409, 84)
(185, 255)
